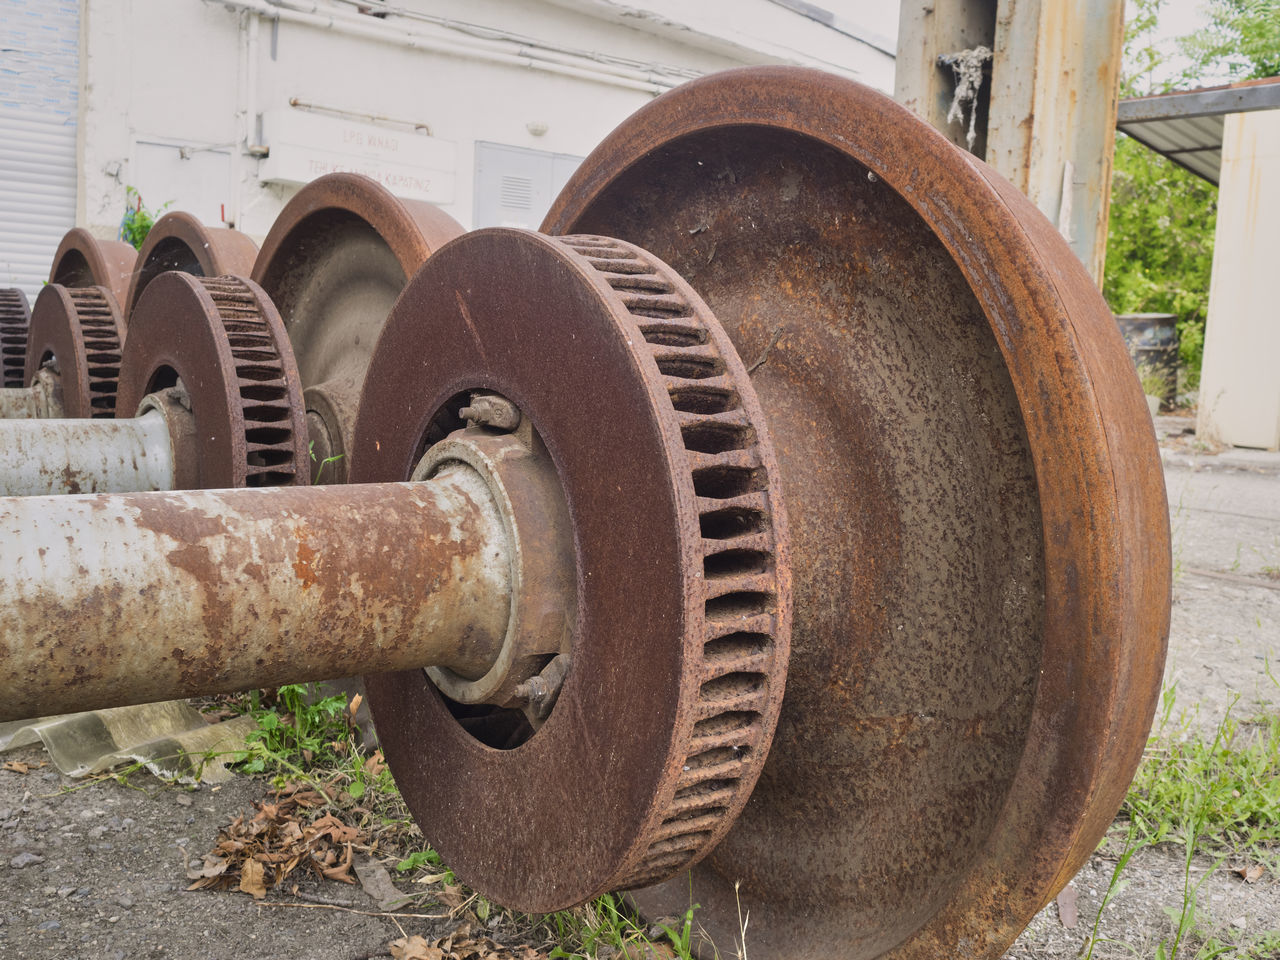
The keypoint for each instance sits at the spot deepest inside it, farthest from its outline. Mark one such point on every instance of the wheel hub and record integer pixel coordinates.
(680, 626)
(518, 471)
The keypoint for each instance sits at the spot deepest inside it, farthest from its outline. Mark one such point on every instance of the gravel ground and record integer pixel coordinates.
(98, 872)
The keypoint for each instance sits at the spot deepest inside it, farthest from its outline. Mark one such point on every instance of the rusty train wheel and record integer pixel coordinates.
(680, 633)
(78, 331)
(334, 263)
(15, 318)
(222, 340)
(178, 241)
(83, 260)
(977, 513)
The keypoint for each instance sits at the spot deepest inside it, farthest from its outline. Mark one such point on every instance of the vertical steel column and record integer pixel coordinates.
(1047, 107)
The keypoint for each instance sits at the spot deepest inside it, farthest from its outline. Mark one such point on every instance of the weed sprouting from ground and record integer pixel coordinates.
(1219, 798)
(306, 736)
(1114, 886)
(608, 927)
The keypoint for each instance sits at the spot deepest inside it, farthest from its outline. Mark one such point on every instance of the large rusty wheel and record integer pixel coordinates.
(15, 319)
(83, 260)
(679, 634)
(77, 332)
(221, 340)
(977, 513)
(178, 241)
(334, 263)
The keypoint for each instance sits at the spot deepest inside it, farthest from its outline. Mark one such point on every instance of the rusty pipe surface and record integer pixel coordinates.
(85, 456)
(41, 399)
(131, 598)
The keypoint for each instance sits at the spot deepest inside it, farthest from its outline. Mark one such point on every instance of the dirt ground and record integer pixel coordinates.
(98, 873)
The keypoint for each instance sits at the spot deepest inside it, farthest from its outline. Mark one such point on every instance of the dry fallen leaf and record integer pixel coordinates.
(1068, 911)
(17, 766)
(212, 867)
(342, 871)
(451, 895)
(251, 879)
(1251, 874)
(414, 948)
(376, 882)
(375, 764)
(462, 945)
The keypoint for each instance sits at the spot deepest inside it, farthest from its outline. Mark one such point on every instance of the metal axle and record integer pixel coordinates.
(131, 598)
(42, 399)
(85, 456)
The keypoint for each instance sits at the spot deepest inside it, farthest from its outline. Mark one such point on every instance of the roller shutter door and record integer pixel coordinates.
(39, 87)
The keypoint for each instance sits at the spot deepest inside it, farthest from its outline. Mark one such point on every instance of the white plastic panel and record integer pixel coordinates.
(515, 185)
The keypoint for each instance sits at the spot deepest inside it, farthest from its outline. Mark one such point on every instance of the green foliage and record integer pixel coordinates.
(300, 734)
(1155, 382)
(422, 859)
(682, 939)
(311, 449)
(1241, 43)
(1222, 797)
(418, 859)
(1114, 886)
(303, 730)
(1160, 234)
(138, 219)
(605, 927)
(1219, 798)
(1160, 244)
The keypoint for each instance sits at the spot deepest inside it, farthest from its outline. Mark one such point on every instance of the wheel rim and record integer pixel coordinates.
(897, 292)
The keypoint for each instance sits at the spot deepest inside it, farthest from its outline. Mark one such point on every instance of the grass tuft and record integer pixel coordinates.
(1220, 797)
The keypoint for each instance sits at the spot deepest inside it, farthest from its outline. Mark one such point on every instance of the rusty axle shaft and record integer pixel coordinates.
(121, 599)
(40, 400)
(85, 456)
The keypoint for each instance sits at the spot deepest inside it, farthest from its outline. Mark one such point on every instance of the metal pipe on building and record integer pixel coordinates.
(135, 598)
(44, 457)
(460, 46)
(621, 66)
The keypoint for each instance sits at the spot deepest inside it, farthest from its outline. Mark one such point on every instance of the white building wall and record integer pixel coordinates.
(1240, 378)
(176, 91)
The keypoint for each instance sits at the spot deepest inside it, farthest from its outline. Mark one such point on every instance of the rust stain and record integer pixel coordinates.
(304, 567)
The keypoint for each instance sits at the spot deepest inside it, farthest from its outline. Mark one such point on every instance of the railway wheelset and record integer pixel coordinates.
(780, 528)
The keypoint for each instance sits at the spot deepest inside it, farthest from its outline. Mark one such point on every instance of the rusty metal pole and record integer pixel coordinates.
(130, 598)
(40, 400)
(85, 456)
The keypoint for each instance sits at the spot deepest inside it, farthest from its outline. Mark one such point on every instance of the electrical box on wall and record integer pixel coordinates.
(515, 185)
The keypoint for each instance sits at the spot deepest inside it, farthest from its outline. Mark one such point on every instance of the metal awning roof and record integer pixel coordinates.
(1186, 126)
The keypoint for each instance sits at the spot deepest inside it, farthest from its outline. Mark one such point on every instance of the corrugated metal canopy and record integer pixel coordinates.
(1186, 126)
